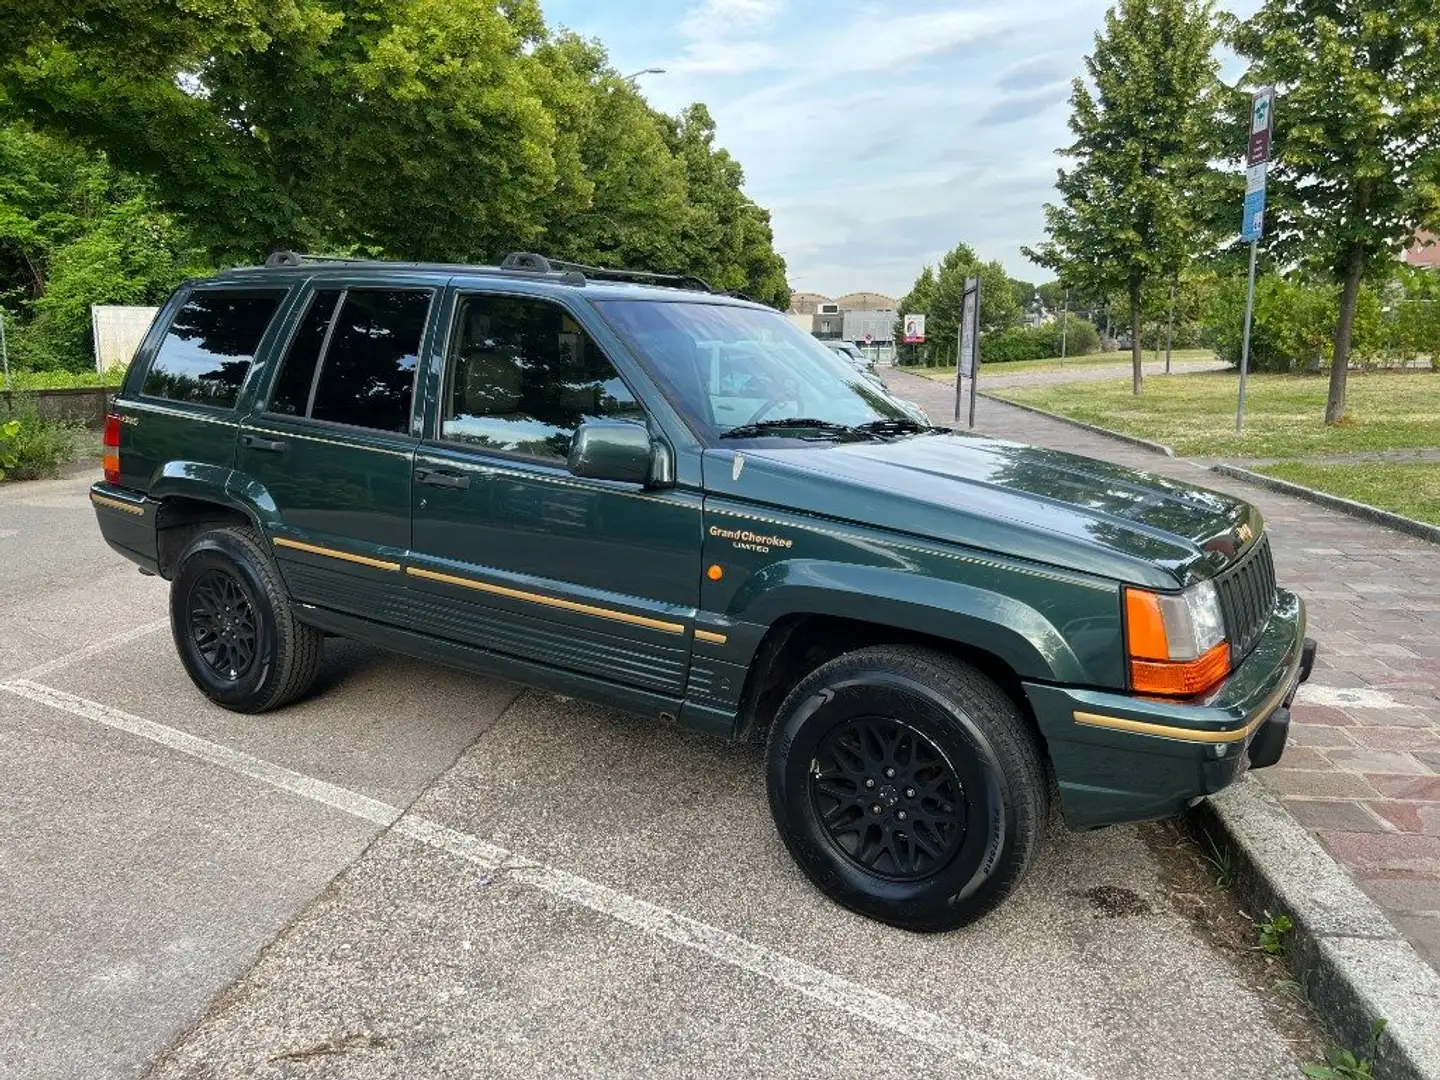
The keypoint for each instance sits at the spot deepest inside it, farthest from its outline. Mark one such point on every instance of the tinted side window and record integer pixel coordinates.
(523, 376)
(291, 394)
(210, 346)
(367, 377)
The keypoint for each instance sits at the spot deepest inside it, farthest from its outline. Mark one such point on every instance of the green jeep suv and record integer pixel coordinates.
(630, 489)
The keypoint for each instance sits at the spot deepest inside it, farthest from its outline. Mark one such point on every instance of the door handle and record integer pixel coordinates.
(257, 442)
(436, 478)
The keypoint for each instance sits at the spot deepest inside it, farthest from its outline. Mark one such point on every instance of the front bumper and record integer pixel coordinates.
(1121, 757)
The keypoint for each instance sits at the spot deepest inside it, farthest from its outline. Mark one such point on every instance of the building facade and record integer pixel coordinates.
(1425, 251)
(861, 317)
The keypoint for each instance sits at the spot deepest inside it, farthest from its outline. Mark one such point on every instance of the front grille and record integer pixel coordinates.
(1247, 597)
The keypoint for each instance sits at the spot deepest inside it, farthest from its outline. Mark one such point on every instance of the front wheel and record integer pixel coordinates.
(233, 626)
(907, 786)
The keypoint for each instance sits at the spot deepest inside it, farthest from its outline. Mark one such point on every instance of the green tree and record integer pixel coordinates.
(725, 237)
(915, 302)
(939, 297)
(1142, 147)
(1357, 140)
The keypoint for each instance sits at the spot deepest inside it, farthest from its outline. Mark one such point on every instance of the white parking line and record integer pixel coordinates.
(93, 649)
(990, 1054)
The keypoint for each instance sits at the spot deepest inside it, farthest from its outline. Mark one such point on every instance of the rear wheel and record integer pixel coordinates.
(233, 625)
(907, 786)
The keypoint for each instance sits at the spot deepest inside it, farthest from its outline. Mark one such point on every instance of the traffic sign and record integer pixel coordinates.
(1252, 226)
(1262, 124)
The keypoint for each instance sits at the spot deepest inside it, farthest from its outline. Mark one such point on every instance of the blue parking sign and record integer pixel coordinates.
(1253, 226)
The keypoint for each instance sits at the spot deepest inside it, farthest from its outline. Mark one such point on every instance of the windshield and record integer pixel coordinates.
(729, 369)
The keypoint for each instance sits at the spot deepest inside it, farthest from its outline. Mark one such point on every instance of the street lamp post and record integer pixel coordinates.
(644, 71)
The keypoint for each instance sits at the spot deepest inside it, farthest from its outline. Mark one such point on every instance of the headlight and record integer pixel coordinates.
(1176, 642)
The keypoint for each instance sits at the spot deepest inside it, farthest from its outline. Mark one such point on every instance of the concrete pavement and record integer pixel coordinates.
(417, 872)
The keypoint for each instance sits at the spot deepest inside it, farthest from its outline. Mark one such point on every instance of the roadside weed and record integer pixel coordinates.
(1272, 933)
(1343, 1065)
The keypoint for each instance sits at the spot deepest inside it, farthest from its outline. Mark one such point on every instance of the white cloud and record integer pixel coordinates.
(722, 37)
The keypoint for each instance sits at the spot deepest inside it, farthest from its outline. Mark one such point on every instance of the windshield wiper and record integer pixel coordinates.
(900, 425)
(827, 428)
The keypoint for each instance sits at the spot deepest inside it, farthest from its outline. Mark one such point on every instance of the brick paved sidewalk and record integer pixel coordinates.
(1362, 770)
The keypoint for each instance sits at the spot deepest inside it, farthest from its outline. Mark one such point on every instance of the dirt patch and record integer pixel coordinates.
(1114, 902)
(1195, 873)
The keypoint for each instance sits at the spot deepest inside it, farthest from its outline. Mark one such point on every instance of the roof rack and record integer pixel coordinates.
(519, 262)
(296, 258)
(524, 260)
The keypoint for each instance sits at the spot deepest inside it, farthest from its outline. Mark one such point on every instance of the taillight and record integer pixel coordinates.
(111, 459)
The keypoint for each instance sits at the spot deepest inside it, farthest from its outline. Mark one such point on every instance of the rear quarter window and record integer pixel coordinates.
(210, 344)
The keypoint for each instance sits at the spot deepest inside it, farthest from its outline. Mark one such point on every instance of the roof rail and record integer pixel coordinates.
(296, 258)
(524, 260)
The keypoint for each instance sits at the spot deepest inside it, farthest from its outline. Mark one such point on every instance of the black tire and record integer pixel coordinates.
(865, 743)
(233, 625)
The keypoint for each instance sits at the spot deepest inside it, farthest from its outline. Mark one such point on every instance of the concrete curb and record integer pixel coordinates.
(1133, 440)
(1355, 964)
(1360, 510)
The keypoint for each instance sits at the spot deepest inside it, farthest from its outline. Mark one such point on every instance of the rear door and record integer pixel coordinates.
(179, 405)
(331, 445)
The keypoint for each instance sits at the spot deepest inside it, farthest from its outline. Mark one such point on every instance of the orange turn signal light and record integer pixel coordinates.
(1181, 678)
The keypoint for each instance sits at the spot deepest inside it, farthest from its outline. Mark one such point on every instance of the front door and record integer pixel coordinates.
(334, 447)
(512, 552)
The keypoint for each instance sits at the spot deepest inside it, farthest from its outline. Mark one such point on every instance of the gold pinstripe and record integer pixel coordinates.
(548, 601)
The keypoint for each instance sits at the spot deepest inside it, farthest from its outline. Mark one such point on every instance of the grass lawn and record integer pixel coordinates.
(1412, 490)
(61, 380)
(1022, 367)
(1284, 414)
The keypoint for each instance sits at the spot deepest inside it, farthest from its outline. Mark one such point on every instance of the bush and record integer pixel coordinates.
(1294, 324)
(1038, 342)
(32, 448)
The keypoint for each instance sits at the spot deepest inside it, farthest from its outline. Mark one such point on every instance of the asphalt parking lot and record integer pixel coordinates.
(417, 872)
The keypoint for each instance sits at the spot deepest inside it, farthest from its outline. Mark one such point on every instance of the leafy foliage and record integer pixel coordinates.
(1042, 342)
(1142, 139)
(1344, 1065)
(9, 455)
(1272, 932)
(1357, 140)
(939, 296)
(420, 129)
(32, 447)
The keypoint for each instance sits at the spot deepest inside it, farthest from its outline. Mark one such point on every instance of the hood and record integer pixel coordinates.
(1020, 500)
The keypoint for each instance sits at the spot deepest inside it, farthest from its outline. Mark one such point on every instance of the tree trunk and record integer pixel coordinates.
(1137, 358)
(1344, 330)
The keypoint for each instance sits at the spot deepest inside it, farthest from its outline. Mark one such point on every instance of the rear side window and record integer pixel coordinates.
(366, 343)
(297, 372)
(210, 346)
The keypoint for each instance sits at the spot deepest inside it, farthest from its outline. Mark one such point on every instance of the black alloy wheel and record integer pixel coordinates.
(223, 625)
(234, 626)
(888, 798)
(907, 785)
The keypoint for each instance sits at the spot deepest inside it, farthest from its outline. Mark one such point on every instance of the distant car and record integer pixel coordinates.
(852, 353)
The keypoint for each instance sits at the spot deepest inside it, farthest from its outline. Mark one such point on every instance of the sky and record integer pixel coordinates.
(878, 134)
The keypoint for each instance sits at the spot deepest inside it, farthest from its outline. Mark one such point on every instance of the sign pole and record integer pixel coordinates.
(975, 358)
(959, 364)
(1245, 342)
(1252, 227)
(1170, 330)
(1065, 328)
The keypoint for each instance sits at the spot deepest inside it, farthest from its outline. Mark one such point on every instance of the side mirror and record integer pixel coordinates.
(612, 450)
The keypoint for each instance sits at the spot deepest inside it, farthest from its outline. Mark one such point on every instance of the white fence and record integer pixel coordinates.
(118, 332)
